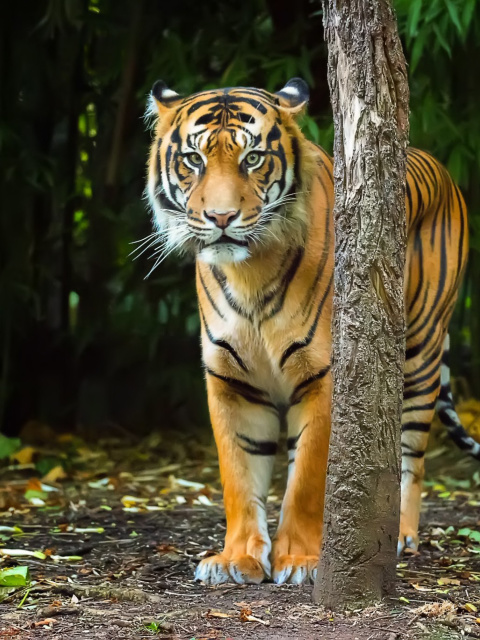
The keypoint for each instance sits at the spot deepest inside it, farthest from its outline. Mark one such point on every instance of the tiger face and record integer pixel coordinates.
(223, 167)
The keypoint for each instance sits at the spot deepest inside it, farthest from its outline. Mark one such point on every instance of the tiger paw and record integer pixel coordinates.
(243, 569)
(408, 539)
(295, 569)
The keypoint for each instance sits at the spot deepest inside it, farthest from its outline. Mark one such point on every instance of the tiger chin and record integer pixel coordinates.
(232, 179)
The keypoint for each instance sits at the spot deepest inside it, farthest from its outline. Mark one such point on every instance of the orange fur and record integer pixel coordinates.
(266, 308)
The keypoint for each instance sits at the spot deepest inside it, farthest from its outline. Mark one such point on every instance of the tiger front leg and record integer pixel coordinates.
(246, 434)
(297, 542)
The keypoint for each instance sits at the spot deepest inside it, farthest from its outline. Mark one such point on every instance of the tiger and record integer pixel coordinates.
(234, 182)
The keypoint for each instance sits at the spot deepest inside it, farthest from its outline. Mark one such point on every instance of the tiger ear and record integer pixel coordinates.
(162, 98)
(294, 96)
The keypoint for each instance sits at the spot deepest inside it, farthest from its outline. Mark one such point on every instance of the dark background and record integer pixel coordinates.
(85, 339)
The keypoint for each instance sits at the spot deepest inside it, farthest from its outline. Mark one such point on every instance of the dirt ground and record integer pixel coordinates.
(122, 532)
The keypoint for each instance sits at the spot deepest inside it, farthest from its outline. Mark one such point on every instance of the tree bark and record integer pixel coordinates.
(369, 94)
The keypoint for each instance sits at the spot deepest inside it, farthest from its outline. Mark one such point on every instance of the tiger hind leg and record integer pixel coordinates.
(422, 385)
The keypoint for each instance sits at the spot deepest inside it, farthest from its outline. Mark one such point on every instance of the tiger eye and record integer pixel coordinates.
(195, 159)
(252, 159)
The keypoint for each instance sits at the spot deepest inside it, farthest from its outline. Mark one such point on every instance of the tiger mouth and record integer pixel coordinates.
(224, 239)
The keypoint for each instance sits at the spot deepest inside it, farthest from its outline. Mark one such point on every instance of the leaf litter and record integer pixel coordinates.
(107, 535)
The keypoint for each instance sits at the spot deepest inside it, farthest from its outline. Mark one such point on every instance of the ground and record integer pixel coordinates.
(118, 536)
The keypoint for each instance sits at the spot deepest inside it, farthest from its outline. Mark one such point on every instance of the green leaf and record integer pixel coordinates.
(471, 534)
(8, 446)
(452, 10)
(468, 9)
(417, 50)
(441, 39)
(413, 18)
(33, 493)
(15, 577)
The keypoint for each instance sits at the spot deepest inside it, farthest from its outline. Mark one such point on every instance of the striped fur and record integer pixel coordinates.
(233, 180)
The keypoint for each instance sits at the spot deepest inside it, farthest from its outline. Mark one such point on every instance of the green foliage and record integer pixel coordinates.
(8, 446)
(14, 577)
(84, 337)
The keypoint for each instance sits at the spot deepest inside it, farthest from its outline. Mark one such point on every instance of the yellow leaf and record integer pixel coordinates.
(419, 587)
(132, 501)
(55, 474)
(470, 607)
(24, 456)
(447, 581)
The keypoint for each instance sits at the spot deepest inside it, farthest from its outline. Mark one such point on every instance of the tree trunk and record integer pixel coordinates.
(369, 95)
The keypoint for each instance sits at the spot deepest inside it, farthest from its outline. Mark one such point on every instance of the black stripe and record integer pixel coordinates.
(295, 346)
(293, 440)
(296, 396)
(246, 391)
(285, 283)
(413, 454)
(424, 378)
(424, 366)
(221, 279)
(416, 393)
(258, 447)
(422, 407)
(209, 295)
(416, 426)
(446, 357)
(296, 161)
(223, 344)
(309, 298)
(446, 419)
(258, 106)
(418, 249)
(444, 394)
(462, 229)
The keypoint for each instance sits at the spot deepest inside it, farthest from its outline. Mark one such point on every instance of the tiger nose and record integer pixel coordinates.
(222, 218)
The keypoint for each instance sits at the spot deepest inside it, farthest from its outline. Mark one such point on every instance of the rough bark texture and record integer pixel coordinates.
(369, 93)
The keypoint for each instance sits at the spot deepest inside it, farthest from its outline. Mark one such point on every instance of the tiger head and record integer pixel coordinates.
(224, 168)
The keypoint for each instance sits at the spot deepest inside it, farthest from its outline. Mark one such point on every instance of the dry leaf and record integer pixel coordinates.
(212, 613)
(24, 456)
(419, 587)
(447, 581)
(246, 616)
(435, 609)
(44, 623)
(55, 474)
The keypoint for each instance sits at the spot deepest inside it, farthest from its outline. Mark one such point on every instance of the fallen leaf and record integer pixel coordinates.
(14, 577)
(447, 581)
(419, 587)
(22, 553)
(44, 623)
(55, 474)
(24, 456)
(435, 609)
(246, 616)
(213, 613)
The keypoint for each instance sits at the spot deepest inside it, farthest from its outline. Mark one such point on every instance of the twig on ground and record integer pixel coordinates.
(106, 591)
(48, 612)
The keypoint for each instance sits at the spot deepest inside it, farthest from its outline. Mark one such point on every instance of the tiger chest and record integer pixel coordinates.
(249, 351)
